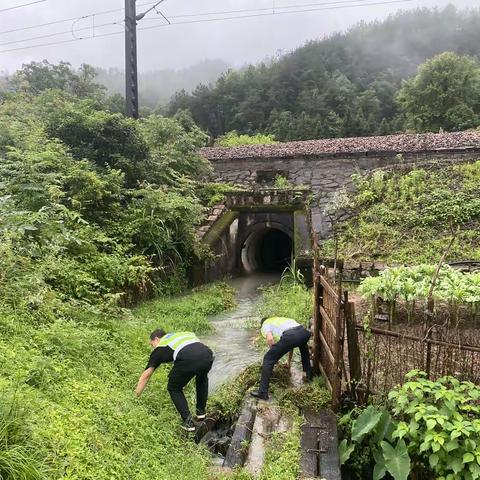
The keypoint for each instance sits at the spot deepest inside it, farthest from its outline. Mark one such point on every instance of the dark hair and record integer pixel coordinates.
(262, 321)
(158, 333)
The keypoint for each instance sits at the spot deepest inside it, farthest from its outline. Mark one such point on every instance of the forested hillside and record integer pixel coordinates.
(344, 85)
(158, 86)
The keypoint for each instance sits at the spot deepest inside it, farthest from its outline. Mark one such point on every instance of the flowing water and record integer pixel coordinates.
(232, 340)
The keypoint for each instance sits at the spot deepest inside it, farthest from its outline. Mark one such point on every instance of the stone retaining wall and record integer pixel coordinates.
(325, 174)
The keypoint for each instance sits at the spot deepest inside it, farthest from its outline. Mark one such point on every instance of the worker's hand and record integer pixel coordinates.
(270, 339)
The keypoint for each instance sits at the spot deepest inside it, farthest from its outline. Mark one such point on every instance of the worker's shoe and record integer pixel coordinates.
(188, 425)
(200, 417)
(259, 395)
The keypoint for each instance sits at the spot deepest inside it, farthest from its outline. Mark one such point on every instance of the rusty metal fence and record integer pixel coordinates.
(385, 356)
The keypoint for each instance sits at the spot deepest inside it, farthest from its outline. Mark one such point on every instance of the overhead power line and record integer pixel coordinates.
(73, 30)
(273, 10)
(334, 6)
(71, 19)
(22, 5)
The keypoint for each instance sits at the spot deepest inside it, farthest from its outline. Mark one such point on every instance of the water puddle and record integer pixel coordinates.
(232, 340)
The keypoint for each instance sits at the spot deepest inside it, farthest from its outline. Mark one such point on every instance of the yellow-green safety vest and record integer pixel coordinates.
(177, 341)
(277, 325)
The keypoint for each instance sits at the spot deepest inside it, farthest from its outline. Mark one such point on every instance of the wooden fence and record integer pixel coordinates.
(362, 361)
(331, 309)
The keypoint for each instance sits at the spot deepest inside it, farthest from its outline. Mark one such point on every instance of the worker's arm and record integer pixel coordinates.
(143, 380)
(270, 339)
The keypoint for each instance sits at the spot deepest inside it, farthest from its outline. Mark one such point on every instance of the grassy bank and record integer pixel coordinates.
(75, 383)
(409, 217)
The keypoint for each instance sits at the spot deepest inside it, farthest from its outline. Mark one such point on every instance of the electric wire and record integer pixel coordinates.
(65, 20)
(75, 20)
(22, 5)
(207, 20)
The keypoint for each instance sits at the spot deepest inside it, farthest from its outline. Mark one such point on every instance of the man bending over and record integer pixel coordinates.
(190, 358)
(282, 335)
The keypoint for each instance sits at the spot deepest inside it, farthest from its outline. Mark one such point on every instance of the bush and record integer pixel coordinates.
(429, 427)
(103, 213)
(234, 139)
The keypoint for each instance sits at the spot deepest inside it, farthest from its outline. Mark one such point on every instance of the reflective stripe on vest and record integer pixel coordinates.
(177, 341)
(277, 325)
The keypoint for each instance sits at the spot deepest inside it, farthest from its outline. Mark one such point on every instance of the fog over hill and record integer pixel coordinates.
(158, 86)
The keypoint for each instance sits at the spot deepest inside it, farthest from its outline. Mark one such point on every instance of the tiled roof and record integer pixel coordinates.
(311, 148)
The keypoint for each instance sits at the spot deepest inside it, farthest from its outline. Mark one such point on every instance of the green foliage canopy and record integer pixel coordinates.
(444, 95)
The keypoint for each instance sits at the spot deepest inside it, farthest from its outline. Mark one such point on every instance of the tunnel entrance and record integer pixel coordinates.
(267, 250)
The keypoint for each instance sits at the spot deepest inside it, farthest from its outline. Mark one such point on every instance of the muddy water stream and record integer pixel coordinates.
(232, 340)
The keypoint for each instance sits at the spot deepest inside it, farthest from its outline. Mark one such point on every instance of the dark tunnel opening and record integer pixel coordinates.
(268, 250)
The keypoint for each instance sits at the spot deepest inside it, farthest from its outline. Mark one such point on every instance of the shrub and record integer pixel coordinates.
(426, 426)
(234, 139)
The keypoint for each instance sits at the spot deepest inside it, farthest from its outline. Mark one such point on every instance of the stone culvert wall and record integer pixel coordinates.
(327, 165)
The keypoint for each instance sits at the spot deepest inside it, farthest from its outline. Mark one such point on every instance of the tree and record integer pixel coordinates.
(356, 75)
(445, 94)
(36, 77)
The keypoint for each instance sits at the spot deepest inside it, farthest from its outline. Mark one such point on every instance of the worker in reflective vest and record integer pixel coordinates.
(190, 358)
(283, 335)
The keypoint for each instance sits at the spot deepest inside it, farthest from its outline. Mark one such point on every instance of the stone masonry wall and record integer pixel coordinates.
(327, 173)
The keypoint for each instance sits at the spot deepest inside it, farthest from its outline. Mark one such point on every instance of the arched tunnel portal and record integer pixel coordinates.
(256, 232)
(267, 247)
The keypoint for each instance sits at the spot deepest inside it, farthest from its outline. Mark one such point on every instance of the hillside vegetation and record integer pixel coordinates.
(344, 85)
(409, 217)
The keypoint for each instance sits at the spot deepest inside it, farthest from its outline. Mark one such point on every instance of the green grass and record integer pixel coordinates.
(282, 455)
(76, 383)
(287, 300)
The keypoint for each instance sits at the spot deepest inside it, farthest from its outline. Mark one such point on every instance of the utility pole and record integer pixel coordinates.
(131, 73)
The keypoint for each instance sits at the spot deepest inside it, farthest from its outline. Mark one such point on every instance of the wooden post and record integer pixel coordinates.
(338, 348)
(317, 299)
(354, 359)
(428, 356)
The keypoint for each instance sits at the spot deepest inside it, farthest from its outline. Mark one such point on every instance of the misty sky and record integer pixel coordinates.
(237, 41)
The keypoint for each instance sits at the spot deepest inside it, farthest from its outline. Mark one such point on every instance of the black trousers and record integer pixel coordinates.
(295, 337)
(194, 360)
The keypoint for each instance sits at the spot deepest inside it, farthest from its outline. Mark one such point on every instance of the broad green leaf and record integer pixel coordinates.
(456, 465)
(365, 423)
(431, 423)
(468, 457)
(384, 428)
(451, 445)
(379, 471)
(433, 460)
(474, 470)
(397, 460)
(345, 451)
